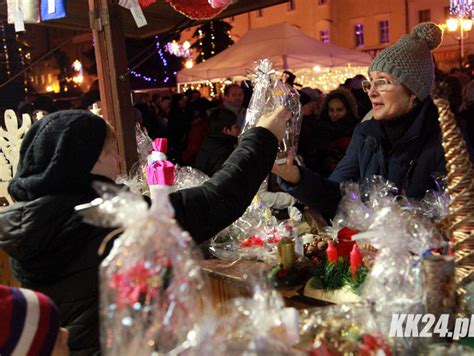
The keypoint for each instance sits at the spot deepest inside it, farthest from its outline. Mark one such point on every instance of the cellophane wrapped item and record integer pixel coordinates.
(151, 284)
(359, 203)
(254, 222)
(188, 177)
(394, 284)
(268, 94)
(136, 178)
(260, 325)
(341, 330)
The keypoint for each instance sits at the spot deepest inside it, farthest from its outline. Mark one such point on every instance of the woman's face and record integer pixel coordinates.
(389, 101)
(107, 165)
(336, 109)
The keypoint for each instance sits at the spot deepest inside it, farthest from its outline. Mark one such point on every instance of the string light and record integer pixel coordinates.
(327, 79)
(5, 48)
(461, 8)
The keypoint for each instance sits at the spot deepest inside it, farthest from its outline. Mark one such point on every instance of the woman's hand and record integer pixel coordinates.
(288, 171)
(275, 122)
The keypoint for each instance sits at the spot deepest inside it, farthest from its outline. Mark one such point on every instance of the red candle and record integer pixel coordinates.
(331, 252)
(356, 260)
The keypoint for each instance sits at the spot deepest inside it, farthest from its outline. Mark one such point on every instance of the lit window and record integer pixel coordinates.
(324, 36)
(384, 32)
(291, 5)
(359, 35)
(424, 16)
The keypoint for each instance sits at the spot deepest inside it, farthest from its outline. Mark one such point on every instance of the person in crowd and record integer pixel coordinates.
(53, 251)
(163, 115)
(29, 324)
(465, 118)
(363, 102)
(316, 96)
(149, 119)
(307, 147)
(179, 123)
(331, 133)
(233, 100)
(198, 131)
(220, 142)
(452, 87)
(288, 78)
(403, 141)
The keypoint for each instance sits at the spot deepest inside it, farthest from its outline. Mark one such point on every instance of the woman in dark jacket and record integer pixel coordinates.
(403, 141)
(333, 131)
(54, 252)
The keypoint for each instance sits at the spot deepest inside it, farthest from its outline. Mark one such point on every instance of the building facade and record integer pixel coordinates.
(366, 25)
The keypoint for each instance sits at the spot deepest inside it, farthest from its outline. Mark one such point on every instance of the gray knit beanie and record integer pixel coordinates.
(410, 59)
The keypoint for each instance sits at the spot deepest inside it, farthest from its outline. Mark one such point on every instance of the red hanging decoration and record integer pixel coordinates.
(145, 3)
(196, 9)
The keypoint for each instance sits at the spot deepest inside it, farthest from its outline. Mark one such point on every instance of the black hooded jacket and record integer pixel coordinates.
(54, 252)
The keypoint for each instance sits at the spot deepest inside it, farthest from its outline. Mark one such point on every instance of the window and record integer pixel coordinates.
(291, 5)
(259, 12)
(359, 35)
(322, 2)
(232, 19)
(447, 13)
(324, 36)
(384, 32)
(424, 16)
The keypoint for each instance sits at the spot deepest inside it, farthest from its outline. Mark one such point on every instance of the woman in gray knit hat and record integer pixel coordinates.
(402, 142)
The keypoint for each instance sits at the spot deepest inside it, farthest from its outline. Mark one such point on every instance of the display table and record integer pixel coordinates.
(228, 280)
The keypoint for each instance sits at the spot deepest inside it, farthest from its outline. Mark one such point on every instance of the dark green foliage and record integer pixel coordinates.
(211, 38)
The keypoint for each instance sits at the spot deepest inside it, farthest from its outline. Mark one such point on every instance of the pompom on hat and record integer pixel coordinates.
(57, 154)
(410, 60)
(29, 322)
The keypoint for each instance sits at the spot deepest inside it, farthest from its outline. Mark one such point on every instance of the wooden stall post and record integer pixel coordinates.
(111, 58)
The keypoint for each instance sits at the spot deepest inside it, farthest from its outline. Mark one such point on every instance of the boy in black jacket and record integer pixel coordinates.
(54, 252)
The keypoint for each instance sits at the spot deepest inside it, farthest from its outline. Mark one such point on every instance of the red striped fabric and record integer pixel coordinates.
(6, 308)
(43, 325)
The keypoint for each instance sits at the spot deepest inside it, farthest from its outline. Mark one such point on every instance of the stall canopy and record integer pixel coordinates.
(286, 46)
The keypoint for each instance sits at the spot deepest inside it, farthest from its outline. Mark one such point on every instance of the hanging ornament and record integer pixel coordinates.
(461, 8)
(217, 4)
(197, 9)
(53, 9)
(145, 3)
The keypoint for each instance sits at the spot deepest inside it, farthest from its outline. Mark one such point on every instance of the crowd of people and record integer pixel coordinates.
(385, 124)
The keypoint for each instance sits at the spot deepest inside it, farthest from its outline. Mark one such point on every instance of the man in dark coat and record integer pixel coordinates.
(54, 252)
(220, 142)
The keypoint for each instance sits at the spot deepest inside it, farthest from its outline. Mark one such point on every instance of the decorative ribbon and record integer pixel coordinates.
(160, 173)
(160, 145)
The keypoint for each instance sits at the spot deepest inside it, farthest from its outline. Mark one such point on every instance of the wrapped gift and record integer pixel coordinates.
(53, 9)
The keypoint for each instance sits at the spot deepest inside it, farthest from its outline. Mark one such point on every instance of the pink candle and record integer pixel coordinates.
(356, 260)
(331, 252)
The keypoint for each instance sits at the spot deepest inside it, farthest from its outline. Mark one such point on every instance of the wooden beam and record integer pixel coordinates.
(111, 58)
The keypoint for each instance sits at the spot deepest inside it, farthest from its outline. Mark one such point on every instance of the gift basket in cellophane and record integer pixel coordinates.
(151, 283)
(256, 234)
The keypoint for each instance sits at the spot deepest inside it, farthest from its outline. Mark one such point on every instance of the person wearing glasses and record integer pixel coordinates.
(402, 142)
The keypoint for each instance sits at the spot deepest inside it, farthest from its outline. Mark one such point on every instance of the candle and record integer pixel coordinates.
(356, 260)
(331, 252)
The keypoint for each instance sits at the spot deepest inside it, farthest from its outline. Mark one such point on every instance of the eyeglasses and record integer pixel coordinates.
(378, 85)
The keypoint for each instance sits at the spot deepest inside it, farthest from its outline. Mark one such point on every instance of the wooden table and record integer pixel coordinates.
(228, 280)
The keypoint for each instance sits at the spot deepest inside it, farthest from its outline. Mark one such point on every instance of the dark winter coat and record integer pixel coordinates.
(54, 252)
(411, 164)
(214, 152)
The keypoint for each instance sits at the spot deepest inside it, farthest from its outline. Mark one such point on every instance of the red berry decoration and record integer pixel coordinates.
(145, 3)
(196, 9)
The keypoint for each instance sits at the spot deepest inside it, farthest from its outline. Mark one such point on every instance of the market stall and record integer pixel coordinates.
(286, 47)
